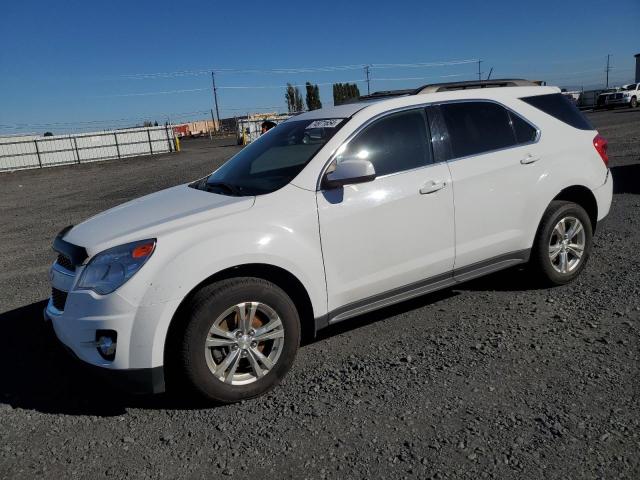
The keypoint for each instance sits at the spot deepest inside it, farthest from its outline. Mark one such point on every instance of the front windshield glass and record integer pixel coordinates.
(273, 160)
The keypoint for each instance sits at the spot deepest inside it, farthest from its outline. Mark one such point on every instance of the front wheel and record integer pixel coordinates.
(563, 243)
(633, 103)
(240, 339)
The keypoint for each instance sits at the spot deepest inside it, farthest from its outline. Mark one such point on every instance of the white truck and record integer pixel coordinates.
(627, 96)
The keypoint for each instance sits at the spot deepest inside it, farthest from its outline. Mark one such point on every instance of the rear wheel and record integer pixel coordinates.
(240, 340)
(563, 243)
(634, 102)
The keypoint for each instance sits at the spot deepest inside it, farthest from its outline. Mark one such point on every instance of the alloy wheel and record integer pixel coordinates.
(244, 343)
(567, 245)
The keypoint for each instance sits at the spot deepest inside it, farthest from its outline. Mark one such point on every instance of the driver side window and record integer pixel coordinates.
(394, 143)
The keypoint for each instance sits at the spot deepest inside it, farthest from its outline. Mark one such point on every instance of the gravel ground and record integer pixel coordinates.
(494, 379)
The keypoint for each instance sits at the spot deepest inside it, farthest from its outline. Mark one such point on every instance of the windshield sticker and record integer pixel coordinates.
(326, 123)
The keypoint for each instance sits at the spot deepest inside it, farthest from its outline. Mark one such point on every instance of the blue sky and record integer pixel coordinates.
(67, 66)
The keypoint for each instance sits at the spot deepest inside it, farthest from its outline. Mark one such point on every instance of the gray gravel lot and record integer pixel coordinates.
(494, 379)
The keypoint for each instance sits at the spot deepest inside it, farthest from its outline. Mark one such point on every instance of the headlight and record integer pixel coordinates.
(110, 269)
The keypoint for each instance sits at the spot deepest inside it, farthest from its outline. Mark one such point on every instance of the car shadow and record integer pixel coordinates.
(513, 279)
(626, 178)
(37, 373)
(628, 110)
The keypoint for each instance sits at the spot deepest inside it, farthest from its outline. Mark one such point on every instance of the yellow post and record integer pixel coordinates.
(177, 143)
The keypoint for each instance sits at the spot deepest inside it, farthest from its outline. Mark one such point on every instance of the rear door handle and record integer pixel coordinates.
(432, 186)
(529, 159)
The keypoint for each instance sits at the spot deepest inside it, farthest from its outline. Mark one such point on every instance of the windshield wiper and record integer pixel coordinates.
(230, 188)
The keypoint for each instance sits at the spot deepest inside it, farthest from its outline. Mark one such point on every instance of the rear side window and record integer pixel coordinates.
(560, 107)
(477, 127)
(524, 132)
(394, 143)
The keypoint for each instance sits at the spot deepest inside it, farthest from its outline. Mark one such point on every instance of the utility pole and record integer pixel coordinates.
(479, 72)
(607, 70)
(215, 99)
(367, 73)
(490, 72)
(214, 123)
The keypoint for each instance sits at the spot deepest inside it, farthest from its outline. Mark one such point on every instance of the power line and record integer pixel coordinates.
(296, 70)
(165, 92)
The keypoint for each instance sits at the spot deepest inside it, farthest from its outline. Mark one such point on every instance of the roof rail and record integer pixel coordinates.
(446, 87)
(500, 82)
(386, 93)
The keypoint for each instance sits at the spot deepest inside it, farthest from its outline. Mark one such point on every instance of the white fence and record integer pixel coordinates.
(38, 152)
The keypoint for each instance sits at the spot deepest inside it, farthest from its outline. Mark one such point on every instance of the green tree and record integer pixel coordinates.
(313, 97)
(344, 92)
(294, 99)
(298, 101)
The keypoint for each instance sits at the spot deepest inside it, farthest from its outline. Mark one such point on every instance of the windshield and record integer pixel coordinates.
(273, 160)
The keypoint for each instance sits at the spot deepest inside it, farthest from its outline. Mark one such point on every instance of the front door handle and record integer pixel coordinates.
(432, 186)
(529, 159)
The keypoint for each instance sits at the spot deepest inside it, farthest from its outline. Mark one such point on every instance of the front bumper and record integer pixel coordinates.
(139, 356)
(613, 101)
(133, 380)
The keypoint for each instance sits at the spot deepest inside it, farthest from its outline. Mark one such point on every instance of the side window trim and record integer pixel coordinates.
(421, 107)
(445, 153)
(439, 138)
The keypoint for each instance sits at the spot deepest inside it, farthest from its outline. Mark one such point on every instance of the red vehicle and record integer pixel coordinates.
(181, 130)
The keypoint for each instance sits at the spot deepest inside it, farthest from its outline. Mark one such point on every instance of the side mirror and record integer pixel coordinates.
(349, 172)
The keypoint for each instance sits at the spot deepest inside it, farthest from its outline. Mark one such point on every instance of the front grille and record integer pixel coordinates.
(65, 262)
(58, 298)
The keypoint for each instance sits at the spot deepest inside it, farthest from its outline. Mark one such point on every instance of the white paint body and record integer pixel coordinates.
(377, 237)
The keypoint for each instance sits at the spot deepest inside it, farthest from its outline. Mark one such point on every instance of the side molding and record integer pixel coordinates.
(423, 287)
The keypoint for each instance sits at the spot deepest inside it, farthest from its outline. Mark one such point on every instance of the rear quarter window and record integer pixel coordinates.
(561, 108)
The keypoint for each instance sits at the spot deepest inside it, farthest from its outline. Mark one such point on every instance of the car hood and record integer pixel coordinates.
(154, 214)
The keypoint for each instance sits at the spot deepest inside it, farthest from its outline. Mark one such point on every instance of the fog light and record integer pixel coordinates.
(106, 343)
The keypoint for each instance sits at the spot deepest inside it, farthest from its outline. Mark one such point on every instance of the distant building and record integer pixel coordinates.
(196, 128)
(637, 55)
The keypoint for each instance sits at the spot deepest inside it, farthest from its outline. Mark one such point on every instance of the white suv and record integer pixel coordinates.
(331, 214)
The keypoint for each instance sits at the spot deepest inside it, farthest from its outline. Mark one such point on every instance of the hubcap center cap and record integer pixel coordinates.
(244, 342)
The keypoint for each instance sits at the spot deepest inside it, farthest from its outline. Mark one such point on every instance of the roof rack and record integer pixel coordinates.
(386, 93)
(447, 87)
(500, 82)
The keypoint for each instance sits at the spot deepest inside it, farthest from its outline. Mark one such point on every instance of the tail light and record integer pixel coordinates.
(600, 143)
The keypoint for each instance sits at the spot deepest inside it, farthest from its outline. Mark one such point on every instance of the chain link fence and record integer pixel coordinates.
(17, 153)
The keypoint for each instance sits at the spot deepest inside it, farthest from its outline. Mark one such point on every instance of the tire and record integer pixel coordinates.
(551, 253)
(633, 103)
(230, 370)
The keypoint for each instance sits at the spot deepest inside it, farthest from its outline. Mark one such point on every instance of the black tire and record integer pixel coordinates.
(633, 103)
(540, 261)
(205, 307)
